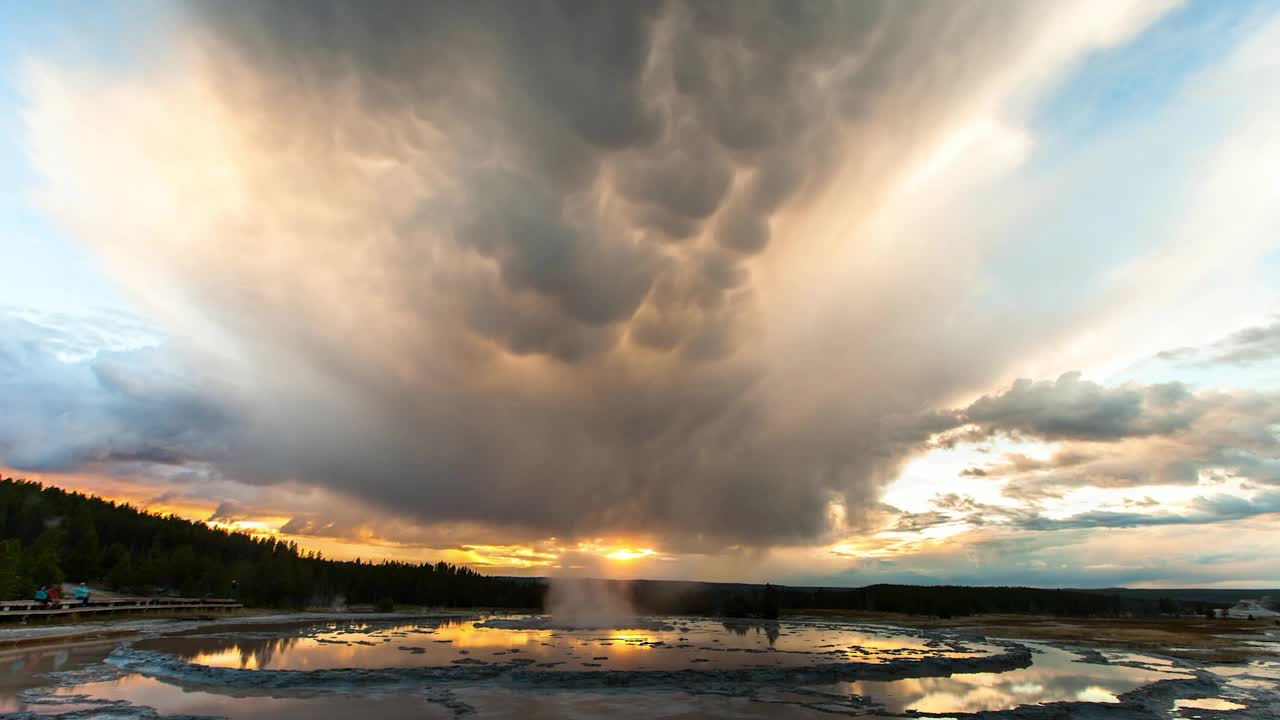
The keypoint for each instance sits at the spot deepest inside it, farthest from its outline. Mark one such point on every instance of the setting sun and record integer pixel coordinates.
(630, 554)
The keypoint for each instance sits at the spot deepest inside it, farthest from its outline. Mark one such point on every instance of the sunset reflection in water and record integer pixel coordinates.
(468, 642)
(1055, 676)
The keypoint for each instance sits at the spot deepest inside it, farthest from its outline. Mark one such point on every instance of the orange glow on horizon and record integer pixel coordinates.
(364, 542)
(630, 554)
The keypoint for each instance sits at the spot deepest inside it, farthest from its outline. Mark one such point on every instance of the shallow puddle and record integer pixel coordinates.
(1207, 704)
(172, 700)
(1055, 676)
(23, 669)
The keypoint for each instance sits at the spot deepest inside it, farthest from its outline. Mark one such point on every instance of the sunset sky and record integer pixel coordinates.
(840, 293)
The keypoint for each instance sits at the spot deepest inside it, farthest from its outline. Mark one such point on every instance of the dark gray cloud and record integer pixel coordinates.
(1248, 346)
(1127, 436)
(913, 522)
(1207, 509)
(1077, 409)
(303, 525)
(229, 511)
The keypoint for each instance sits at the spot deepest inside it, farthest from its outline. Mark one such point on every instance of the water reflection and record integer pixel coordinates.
(486, 702)
(770, 630)
(21, 669)
(172, 700)
(1055, 676)
(470, 642)
(247, 654)
(1207, 704)
(467, 635)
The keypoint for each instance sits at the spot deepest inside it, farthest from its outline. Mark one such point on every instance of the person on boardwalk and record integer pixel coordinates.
(55, 596)
(82, 594)
(42, 596)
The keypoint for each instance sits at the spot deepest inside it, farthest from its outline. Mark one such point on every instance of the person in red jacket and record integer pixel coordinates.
(55, 596)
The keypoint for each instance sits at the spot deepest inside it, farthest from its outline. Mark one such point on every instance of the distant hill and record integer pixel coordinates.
(1217, 597)
(715, 598)
(957, 600)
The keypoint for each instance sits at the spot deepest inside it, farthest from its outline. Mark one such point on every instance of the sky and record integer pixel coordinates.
(814, 293)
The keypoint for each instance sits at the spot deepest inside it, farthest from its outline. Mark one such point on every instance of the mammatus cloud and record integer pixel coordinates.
(564, 268)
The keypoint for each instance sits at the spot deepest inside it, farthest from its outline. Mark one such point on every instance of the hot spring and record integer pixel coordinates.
(536, 666)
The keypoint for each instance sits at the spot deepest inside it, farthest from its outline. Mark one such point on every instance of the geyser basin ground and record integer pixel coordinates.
(672, 667)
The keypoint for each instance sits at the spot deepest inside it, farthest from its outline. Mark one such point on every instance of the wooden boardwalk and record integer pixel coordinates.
(13, 609)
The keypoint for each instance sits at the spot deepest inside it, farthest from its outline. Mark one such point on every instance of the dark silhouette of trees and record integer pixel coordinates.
(945, 601)
(10, 570)
(771, 604)
(48, 535)
(949, 601)
(83, 551)
(39, 562)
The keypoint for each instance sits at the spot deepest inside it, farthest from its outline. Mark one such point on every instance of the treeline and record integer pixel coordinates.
(739, 600)
(659, 597)
(958, 600)
(49, 535)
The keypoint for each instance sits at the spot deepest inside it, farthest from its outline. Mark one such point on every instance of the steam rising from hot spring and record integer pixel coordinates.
(589, 604)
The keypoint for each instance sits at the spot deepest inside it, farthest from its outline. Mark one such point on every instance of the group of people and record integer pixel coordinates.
(51, 595)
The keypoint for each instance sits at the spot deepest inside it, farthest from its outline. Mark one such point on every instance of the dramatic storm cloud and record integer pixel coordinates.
(706, 275)
(535, 264)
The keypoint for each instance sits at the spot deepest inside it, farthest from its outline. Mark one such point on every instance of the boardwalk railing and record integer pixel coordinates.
(10, 608)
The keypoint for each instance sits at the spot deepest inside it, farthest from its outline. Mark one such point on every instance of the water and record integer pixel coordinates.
(472, 642)
(352, 669)
(480, 704)
(167, 699)
(24, 669)
(1207, 704)
(1056, 676)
